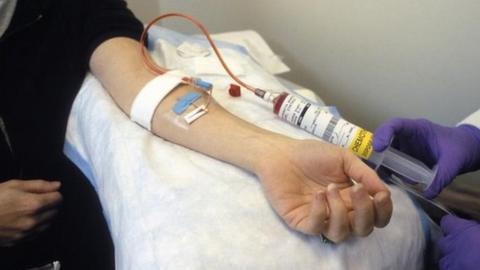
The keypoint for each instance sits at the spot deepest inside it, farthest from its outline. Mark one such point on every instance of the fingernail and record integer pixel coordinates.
(331, 188)
(380, 199)
(56, 184)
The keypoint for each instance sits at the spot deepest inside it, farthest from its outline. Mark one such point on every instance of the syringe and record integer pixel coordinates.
(318, 121)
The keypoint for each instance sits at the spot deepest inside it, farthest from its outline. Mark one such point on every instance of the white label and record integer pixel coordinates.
(318, 121)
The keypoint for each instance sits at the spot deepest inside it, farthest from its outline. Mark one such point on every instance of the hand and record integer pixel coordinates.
(295, 180)
(460, 244)
(455, 150)
(26, 207)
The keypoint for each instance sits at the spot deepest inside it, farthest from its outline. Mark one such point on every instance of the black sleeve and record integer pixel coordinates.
(108, 19)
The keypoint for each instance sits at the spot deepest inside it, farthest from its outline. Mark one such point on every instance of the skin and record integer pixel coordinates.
(307, 182)
(26, 208)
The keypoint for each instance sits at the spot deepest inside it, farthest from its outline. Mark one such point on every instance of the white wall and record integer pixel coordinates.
(373, 59)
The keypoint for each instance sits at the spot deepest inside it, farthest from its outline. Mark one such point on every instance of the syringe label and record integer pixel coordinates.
(302, 114)
(362, 143)
(331, 126)
(320, 122)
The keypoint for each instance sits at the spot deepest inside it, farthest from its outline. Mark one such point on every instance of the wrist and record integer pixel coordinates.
(268, 150)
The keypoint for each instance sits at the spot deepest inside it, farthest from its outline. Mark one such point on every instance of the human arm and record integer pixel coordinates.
(454, 150)
(460, 244)
(26, 208)
(291, 171)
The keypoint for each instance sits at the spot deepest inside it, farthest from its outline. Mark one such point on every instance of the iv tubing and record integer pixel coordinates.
(160, 70)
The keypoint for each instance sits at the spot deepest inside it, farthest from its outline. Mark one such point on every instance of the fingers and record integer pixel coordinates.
(329, 215)
(28, 227)
(32, 203)
(31, 235)
(451, 224)
(338, 228)
(45, 217)
(383, 208)
(361, 173)
(42, 222)
(362, 218)
(38, 186)
(384, 134)
(443, 177)
(30, 224)
(47, 201)
(318, 214)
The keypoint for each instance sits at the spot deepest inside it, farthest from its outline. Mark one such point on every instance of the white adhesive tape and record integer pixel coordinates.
(147, 100)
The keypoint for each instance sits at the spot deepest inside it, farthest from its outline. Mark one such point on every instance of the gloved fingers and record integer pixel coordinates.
(444, 263)
(444, 245)
(448, 224)
(442, 178)
(451, 224)
(396, 126)
(432, 191)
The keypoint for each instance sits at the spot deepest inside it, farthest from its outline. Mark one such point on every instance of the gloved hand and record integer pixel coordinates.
(455, 150)
(460, 245)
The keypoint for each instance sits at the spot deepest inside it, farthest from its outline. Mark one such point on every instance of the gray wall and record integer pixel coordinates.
(372, 59)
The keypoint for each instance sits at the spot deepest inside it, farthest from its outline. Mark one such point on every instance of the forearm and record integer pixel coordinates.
(119, 67)
(294, 174)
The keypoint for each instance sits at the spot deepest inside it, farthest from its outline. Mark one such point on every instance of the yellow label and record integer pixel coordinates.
(362, 143)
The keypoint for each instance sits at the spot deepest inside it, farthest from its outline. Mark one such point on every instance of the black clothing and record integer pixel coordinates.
(44, 57)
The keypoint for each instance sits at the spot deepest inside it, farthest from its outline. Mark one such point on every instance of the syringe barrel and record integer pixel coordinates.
(404, 165)
(317, 120)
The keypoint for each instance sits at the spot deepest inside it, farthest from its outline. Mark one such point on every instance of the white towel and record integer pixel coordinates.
(172, 208)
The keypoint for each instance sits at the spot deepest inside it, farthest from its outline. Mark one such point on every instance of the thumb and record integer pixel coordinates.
(39, 186)
(384, 133)
(382, 137)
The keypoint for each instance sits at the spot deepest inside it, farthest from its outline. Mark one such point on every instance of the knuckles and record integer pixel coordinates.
(338, 236)
(29, 205)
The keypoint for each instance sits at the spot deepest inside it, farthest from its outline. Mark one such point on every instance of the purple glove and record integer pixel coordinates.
(460, 245)
(455, 150)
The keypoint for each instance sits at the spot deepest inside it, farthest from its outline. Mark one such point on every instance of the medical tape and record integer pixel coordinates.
(195, 114)
(184, 102)
(147, 100)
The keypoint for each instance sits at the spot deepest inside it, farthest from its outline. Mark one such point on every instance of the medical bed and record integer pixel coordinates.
(168, 207)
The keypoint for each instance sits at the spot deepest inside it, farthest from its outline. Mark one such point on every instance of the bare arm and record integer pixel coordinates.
(294, 173)
(207, 136)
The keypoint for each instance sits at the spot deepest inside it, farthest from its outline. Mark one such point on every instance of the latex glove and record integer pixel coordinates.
(460, 245)
(26, 207)
(455, 150)
(309, 185)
